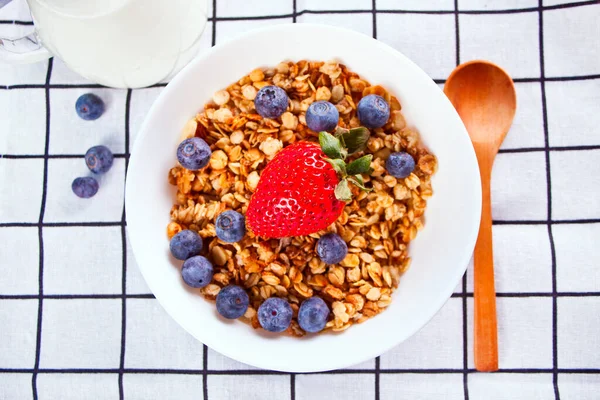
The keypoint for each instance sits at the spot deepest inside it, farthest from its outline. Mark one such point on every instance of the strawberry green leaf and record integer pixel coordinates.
(360, 165)
(356, 139)
(357, 180)
(330, 145)
(340, 131)
(338, 165)
(342, 191)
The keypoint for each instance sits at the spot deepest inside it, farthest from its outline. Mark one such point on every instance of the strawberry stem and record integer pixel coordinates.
(335, 149)
(354, 139)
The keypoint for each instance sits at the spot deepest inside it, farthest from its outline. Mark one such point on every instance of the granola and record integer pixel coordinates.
(377, 225)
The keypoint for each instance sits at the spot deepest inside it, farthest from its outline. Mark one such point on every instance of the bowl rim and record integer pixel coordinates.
(376, 349)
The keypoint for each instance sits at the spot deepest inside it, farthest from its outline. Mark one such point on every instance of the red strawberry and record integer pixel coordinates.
(295, 195)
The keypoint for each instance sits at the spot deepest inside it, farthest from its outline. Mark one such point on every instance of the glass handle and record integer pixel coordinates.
(23, 50)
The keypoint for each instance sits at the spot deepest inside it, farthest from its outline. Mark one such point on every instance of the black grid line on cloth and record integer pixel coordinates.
(502, 151)
(69, 86)
(124, 255)
(294, 11)
(59, 156)
(535, 294)
(549, 205)
(118, 223)
(378, 358)
(38, 340)
(549, 148)
(205, 372)
(293, 375)
(57, 224)
(465, 337)
(159, 85)
(15, 22)
(293, 386)
(205, 347)
(250, 372)
(460, 294)
(553, 222)
(75, 296)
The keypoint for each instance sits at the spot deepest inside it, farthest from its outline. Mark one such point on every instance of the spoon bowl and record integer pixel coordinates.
(484, 97)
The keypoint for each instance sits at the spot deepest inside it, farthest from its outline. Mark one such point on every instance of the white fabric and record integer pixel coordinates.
(100, 334)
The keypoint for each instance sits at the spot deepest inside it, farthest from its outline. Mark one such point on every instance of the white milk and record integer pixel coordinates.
(121, 43)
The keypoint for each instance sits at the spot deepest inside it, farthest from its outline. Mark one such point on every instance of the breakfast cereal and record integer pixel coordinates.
(377, 225)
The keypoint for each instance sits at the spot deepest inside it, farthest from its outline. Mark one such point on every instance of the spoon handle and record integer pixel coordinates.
(486, 332)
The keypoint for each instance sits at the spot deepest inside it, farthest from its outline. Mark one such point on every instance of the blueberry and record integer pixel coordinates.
(232, 302)
(313, 314)
(322, 116)
(89, 106)
(275, 314)
(185, 244)
(193, 153)
(271, 101)
(99, 159)
(400, 165)
(230, 226)
(85, 187)
(373, 111)
(197, 272)
(331, 248)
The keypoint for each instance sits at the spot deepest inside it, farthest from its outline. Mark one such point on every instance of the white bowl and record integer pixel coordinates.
(440, 253)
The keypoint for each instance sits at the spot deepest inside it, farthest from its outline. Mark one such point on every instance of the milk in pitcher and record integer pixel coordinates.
(121, 43)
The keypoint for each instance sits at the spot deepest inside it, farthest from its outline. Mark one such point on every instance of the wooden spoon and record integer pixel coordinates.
(484, 96)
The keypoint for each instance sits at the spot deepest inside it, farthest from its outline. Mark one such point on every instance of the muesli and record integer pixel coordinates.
(318, 219)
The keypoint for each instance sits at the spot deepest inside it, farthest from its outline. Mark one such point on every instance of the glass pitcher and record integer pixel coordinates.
(117, 43)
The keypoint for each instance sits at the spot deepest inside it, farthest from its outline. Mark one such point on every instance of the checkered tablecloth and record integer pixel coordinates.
(78, 322)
